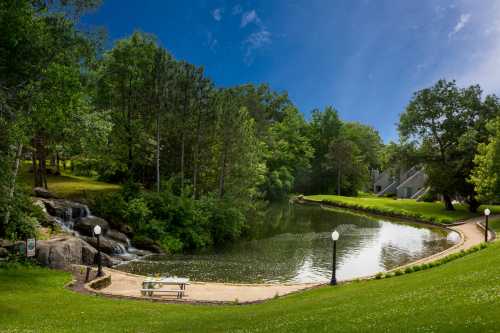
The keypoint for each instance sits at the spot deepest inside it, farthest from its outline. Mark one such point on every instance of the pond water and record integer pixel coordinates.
(292, 244)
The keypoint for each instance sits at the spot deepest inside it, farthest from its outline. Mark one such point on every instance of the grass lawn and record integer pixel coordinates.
(423, 211)
(69, 186)
(461, 296)
(495, 225)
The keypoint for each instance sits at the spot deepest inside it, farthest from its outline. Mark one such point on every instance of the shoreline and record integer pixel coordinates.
(125, 285)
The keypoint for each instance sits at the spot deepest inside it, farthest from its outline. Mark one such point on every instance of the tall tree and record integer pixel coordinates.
(486, 174)
(446, 123)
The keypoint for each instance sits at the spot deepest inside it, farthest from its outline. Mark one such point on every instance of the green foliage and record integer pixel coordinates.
(446, 123)
(344, 154)
(486, 174)
(174, 222)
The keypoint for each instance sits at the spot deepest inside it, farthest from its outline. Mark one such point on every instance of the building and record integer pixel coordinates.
(409, 184)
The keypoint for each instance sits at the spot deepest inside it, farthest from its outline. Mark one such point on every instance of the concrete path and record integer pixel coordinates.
(471, 234)
(128, 285)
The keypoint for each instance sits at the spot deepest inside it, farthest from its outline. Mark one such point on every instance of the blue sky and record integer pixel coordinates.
(364, 57)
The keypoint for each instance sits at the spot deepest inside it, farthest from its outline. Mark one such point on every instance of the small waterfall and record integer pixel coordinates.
(67, 213)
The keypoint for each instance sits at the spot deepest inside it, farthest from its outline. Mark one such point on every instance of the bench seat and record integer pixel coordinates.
(149, 292)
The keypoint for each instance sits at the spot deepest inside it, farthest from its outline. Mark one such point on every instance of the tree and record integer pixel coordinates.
(345, 159)
(446, 123)
(368, 141)
(324, 127)
(125, 87)
(486, 174)
(289, 153)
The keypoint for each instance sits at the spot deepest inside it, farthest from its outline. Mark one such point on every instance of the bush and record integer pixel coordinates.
(429, 197)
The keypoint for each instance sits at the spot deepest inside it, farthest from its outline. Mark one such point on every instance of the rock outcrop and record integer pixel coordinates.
(42, 193)
(61, 252)
(117, 236)
(85, 225)
(65, 209)
(106, 245)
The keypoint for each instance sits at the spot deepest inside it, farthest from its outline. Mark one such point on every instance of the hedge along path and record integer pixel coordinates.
(126, 285)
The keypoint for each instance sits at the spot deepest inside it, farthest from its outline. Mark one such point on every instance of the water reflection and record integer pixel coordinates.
(291, 243)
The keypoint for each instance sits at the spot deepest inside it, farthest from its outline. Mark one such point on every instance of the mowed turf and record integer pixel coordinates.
(423, 211)
(460, 296)
(69, 186)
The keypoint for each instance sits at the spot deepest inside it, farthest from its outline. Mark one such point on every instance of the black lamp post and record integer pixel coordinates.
(487, 213)
(97, 233)
(335, 237)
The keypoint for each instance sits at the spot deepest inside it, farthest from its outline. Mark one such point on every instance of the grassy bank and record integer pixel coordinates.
(69, 186)
(495, 225)
(460, 296)
(408, 208)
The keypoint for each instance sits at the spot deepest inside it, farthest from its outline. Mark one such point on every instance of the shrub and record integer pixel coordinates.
(398, 272)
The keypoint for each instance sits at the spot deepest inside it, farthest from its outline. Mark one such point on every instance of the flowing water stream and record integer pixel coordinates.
(291, 244)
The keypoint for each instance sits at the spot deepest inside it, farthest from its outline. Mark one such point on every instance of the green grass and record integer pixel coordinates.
(495, 225)
(460, 296)
(422, 211)
(69, 186)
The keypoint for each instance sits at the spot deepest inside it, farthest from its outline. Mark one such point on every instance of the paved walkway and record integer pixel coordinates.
(128, 285)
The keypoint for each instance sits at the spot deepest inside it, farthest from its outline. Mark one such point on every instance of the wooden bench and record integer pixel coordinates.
(149, 292)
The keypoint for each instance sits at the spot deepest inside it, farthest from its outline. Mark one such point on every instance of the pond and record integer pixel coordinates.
(292, 244)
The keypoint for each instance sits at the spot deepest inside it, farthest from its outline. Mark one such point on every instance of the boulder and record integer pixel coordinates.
(61, 252)
(146, 244)
(85, 225)
(127, 230)
(42, 193)
(12, 246)
(4, 253)
(107, 245)
(65, 209)
(118, 236)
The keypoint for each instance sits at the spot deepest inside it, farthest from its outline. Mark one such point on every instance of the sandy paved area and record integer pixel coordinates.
(128, 285)
(125, 284)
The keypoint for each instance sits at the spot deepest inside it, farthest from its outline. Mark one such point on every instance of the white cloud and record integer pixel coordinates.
(237, 10)
(255, 41)
(482, 53)
(464, 18)
(212, 42)
(217, 14)
(249, 17)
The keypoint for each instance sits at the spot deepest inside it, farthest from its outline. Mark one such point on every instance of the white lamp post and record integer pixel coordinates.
(487, 213)
(97, 233)
(335, 237)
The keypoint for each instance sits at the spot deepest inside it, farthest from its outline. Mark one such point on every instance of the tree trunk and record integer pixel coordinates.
(447, 202)
(158, 151)
(196, 153)
(43, 162)
(129, 130)
(58, 167)
(473, 204)
(222, 177)
(12, 186)
(338, 181)
(183, 137)
(37, 160)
